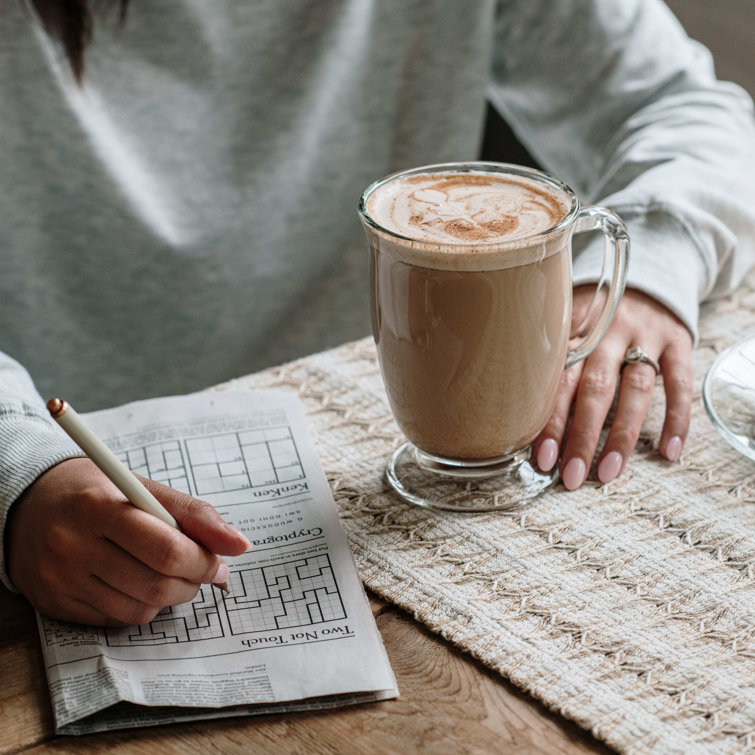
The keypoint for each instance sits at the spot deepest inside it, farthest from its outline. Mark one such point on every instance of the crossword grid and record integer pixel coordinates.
(251, 458)
(292, 594)
(198, 620)
(220, 463)
(163, 462)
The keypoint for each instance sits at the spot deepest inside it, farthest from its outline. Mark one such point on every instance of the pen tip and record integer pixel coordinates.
(56, 407)
(222, 585)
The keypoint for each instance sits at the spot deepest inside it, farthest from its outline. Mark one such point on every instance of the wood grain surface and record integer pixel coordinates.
(449, 704)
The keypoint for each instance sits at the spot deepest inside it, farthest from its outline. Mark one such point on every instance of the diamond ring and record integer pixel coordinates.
(636, 355)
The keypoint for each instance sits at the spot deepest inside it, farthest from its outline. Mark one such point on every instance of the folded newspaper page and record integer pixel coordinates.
(294, 631)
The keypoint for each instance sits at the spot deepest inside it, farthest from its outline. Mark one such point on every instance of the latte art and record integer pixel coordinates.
(465, 208)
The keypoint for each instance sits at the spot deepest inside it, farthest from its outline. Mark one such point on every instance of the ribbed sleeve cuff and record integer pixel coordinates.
(664, 262)
(30, 444)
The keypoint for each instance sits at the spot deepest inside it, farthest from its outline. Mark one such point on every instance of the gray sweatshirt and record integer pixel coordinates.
(189, 214)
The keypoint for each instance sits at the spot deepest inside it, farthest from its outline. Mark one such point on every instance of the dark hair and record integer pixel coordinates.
(71, 22)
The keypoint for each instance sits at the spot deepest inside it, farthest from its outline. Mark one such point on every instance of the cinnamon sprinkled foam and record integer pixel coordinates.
(465, 208)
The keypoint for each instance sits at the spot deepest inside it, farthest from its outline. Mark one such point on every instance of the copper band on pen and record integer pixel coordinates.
(56, 407)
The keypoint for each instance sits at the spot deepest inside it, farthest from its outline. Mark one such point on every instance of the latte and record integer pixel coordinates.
(471, 295)
(471, 307)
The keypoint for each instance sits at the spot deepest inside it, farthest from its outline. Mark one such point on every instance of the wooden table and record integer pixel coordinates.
(449, 704)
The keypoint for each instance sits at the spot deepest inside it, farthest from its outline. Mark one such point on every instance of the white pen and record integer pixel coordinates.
(113, 468)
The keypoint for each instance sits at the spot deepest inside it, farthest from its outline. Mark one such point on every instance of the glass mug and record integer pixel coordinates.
(472, 328)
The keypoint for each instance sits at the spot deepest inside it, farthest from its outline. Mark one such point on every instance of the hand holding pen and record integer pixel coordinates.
(80, 551)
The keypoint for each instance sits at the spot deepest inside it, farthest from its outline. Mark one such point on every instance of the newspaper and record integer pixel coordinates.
(294, 631)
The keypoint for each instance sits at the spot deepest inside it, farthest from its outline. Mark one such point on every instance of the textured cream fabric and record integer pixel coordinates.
(627, 607)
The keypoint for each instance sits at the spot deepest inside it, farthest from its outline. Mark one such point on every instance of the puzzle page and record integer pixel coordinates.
(294, 628)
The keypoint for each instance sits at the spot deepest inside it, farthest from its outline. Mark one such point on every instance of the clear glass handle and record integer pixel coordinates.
(616, 251)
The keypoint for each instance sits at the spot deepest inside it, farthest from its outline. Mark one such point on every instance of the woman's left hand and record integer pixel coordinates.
(588, 389)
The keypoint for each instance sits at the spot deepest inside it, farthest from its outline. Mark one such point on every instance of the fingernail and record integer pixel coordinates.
(574, 474)
(610, 466)
(238, 534)
(547, 454)
(221, 576)
(674, 448)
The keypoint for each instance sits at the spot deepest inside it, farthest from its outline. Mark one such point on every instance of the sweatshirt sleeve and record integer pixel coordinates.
(30, 442)
(616, 100)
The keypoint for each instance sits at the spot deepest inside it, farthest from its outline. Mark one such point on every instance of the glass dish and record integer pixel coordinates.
(729, 395)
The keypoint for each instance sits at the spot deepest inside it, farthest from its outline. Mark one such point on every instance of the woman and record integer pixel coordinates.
(180, 211)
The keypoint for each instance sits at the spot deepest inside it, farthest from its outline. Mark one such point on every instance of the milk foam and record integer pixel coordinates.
(466, 208)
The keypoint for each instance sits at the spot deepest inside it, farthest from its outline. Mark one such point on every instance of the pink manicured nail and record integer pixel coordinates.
(221, 577)
(610, 466)
(574, 474)
(547, 454)
(674, 448)
(238, 534)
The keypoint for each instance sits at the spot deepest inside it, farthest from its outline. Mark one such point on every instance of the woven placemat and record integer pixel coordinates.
(628, 607)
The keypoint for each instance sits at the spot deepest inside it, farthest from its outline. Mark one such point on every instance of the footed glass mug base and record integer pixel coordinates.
(506, 483)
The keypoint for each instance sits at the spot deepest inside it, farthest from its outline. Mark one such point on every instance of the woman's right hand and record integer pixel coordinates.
(79, 551)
